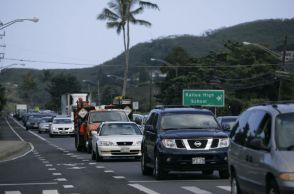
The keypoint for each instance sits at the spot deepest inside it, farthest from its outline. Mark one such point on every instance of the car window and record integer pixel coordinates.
(119, 129)
(241, 128)
(188, 121)
(62, 121)
(284, 130)
(98, 117)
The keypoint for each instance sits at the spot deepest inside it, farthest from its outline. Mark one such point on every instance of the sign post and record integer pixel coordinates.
(208, 98)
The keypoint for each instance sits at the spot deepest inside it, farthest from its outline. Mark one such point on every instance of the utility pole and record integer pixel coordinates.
(282, 68)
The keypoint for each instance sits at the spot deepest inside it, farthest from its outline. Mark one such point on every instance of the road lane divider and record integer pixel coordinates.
(143, 189)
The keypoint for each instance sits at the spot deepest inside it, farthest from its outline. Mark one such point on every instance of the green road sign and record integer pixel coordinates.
(211, 98)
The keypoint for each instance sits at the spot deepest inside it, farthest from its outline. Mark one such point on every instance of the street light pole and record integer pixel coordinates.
(2, 26)
(277, 56)
(166, 63)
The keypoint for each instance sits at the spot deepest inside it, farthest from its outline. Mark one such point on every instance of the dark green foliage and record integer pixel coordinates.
(2, 97)
(61, 84)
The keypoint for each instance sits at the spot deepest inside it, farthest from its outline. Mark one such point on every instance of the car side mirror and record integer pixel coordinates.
(257, 143)
(226, 126)
(149, 128)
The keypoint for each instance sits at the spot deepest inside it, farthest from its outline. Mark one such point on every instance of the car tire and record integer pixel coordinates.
(51, 135)
(79, 142)
(93, 155)
(145, 169)
(235, 188)
(272, 187)
(224, 174)
(98, 157)
(158, 170)
(207, 172)
(89, 146)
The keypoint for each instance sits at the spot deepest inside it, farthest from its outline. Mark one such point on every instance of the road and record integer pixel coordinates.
(55, 167)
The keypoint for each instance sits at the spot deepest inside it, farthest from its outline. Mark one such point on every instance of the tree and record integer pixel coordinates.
(2, 97)
(61, 84)
(28, 87)
(119, 15)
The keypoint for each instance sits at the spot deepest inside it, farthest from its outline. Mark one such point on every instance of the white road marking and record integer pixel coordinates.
(86, 160)
(196, 190)
(21, 139)
(143, 189)
(51, 168)
(12, 192)
(68, 186)
(50, 192)
(100, 167)
(28, 184)
(76, 168)
(92, 163)
(119, 177)
(45, 162)
(61, 179)
(56, 174)
(48, 165)
(226, 188)
(108, 171)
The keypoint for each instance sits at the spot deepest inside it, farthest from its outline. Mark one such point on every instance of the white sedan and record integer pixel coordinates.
(116, 139)
(61, 126)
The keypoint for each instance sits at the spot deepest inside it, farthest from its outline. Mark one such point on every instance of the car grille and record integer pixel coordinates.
(132, 152)
(125, 143)
(61, 129)
(198, 144)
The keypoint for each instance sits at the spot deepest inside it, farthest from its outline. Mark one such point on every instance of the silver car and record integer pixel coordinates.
(261, 152)
(44, 124)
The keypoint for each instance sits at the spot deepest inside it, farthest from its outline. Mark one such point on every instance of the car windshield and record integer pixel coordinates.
(46, 120)
(120, 129)
(285, 131)
(188, 121)
(229, 121)
(98, 117)
(62, 121)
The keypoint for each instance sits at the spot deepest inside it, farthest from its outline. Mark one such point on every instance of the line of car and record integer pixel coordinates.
(254, 149)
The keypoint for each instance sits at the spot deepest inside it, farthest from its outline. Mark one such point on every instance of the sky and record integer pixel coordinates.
(68, 35)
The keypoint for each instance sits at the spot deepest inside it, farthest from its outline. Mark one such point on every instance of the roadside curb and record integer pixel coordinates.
(11, 150)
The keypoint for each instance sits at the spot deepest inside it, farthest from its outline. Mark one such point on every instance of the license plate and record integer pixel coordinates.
(198, 160)
(125, 149)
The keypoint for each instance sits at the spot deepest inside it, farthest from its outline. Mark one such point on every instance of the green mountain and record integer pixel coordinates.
(270, 33)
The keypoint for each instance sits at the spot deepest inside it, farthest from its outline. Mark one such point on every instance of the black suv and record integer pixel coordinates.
(183, 139)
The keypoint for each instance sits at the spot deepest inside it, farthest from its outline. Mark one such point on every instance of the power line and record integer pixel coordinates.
(140, 66)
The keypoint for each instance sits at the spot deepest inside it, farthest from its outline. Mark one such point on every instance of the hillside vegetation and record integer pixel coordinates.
(270, 33)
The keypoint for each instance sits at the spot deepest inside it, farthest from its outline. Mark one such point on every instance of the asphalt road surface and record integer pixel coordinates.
(55, 167)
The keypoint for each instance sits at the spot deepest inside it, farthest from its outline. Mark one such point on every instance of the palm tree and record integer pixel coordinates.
(119, 15)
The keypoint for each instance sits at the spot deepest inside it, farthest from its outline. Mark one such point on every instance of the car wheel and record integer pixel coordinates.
(88, 146)
(207, 172)
(235, 189)
(224, 174)
(79, 142)
(98, 157)
(273, 188)
(93, 155)
(158, 170)
(145, 169)
(50, 134)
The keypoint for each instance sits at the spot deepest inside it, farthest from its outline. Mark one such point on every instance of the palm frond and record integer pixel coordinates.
(137, 11)
(140, 22)
(146, 4)
(107, 14)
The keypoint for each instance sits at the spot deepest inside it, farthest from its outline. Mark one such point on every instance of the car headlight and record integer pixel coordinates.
(106, 143)
(138, 143)
(169, 143)
(287, 176)
(224, 143)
